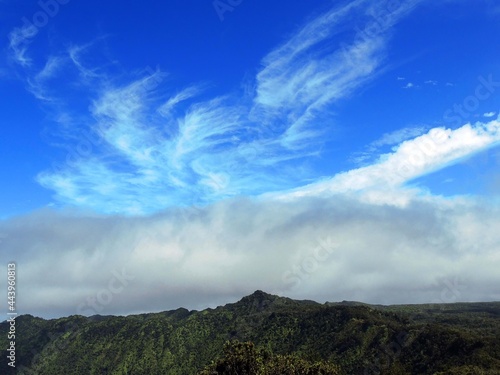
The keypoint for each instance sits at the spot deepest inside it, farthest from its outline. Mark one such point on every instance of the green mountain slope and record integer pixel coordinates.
(355, 338)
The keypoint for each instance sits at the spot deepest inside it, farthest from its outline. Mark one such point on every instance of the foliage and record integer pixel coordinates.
(275, 334)
(243, 359)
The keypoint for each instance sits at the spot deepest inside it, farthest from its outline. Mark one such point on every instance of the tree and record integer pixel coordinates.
(244, 359)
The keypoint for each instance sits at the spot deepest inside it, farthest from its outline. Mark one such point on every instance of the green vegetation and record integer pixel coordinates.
(264, 334)
(245, 359)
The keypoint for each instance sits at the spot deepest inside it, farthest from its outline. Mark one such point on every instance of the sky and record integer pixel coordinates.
(186, 153)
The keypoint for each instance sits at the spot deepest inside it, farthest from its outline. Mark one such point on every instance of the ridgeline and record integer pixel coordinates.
(265, 334)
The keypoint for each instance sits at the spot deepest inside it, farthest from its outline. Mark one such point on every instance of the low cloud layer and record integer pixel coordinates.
(430, 250)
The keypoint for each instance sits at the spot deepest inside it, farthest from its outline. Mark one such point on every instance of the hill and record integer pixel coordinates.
(353, 338)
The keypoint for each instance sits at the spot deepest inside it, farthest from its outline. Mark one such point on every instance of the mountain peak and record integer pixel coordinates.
(259, 294)
(257, 301)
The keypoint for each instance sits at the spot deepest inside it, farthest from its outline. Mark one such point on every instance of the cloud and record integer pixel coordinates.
(146, 148)
(143, 155)
(431, 82)
(413, 158)
(372, 150)
(489, 114)
(19, 40)
(153, 149)
(77, 55)
(39, 85)
(50, 69)
(143, 148)
(317, 248)
(168, 107)
(298, 80)
(397, 136)
(409, 85)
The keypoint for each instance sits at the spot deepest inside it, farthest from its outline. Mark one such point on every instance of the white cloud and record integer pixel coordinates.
(489, 114)
(411, 159)
(153, 155)
(168, 107)
(19, 40)
(388, 139)
(297, 80)
(397, 136)
(52, 65)
(78, 55)
(39, 85)
(149, 156)
(409, 85)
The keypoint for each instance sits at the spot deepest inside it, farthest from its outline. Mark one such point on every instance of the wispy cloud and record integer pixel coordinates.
(158, 154)
(19, 40)
(39, 84)
(77, 55)
(298, 79)
(153, 155)
(397, 136)
(50, 69)
(393, 138)
(168, 107)
(157, 149)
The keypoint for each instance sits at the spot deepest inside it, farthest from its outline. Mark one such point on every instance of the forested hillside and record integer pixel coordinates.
(266, 334)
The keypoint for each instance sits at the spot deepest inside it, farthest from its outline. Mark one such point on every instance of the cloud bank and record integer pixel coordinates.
(323, 249)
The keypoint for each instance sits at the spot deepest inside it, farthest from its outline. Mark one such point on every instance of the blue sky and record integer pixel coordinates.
(133, 111)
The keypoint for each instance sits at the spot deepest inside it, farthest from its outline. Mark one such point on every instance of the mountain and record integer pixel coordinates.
(350, 337)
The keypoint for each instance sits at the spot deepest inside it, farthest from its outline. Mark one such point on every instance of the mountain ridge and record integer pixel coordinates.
(351, 335)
